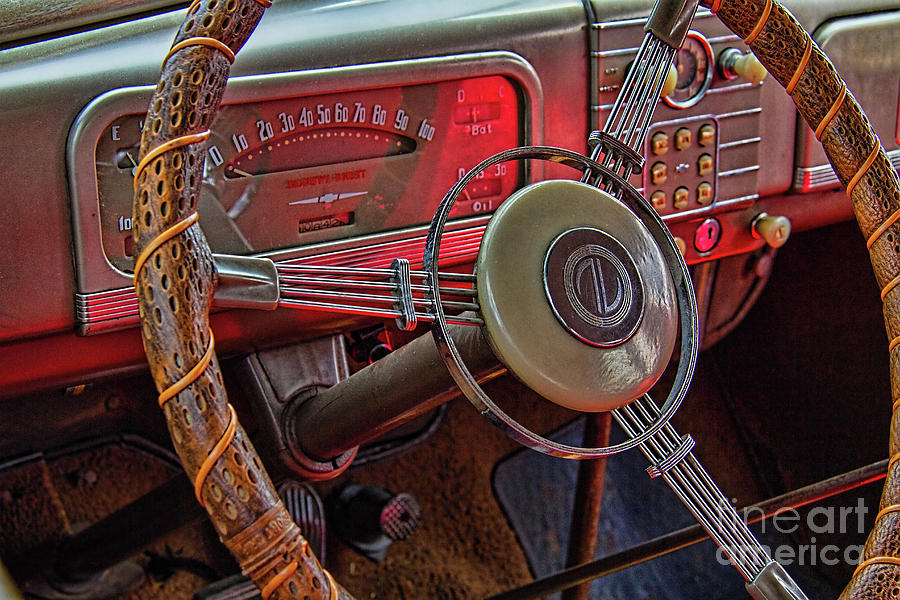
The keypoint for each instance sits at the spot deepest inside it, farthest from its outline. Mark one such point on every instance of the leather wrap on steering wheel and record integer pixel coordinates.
(861, 164)
(175, 279)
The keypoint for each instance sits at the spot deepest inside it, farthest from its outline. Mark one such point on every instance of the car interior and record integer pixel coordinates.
(468, 299)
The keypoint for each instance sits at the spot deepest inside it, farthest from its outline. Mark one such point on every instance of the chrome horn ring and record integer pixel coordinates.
(686, 300)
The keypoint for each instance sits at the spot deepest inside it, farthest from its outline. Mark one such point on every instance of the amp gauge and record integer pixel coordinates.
(694, 64)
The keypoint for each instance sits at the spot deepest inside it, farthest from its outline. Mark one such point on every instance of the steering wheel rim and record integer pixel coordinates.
(175, 278)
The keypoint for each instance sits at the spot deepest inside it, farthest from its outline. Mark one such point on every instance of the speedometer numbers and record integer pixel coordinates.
(285, 172)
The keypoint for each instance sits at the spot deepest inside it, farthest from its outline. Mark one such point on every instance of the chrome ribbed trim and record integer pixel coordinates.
(109, 310)
(741, 113)
(725, 89)
(741, 171)
(821, 177)
(702, 13)
(716, 208)
(736, 143)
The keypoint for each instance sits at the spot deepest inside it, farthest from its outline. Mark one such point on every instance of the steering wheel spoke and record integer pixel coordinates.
(396, 293)
(671, 458)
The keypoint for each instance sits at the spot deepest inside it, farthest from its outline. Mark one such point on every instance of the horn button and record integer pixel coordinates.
(576, 297)
(594, 287)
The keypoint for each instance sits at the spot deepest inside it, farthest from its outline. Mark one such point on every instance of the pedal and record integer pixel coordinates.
(305, 507)
(370, 519)
(233, 587)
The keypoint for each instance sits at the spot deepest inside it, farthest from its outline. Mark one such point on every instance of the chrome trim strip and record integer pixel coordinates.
(740, 171)
(723, 38)
(736, 143)
(820, 177)
(616, 52)
(622, 23)
(740, 199)
(716, 208)
(702, 13)
(109, 310)
(733, 88)
(738, 113)
(741, 113)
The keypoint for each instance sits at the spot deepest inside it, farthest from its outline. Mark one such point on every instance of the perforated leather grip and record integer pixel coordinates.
(861, 164)
(175, 279)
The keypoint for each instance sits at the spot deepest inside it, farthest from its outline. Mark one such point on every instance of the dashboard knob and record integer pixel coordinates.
(671, 81)
(733, 63)
(774, 230)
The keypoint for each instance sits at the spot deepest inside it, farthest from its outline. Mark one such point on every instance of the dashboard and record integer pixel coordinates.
(344, 125)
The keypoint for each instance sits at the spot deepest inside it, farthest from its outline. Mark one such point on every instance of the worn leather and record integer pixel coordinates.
(175, 289)
(849, 141)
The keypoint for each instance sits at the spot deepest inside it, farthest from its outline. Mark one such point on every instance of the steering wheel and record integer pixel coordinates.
(175, 278)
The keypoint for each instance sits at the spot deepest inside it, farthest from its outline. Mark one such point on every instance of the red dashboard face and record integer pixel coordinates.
(291, 171)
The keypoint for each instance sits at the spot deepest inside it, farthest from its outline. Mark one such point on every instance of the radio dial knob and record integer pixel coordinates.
(733, 64)
(774, 230)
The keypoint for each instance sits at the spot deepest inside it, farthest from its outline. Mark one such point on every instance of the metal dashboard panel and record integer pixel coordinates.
(730, 109)
(104, 299)
(46, 83)
(864, 51)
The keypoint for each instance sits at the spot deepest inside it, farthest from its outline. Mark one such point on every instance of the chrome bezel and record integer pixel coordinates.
(95, 273)
(707, 80)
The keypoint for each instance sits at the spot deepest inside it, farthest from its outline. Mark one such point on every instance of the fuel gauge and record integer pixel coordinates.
(694, 64)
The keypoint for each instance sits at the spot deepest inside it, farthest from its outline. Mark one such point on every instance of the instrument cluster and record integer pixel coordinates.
(296, 170)
(305, 163)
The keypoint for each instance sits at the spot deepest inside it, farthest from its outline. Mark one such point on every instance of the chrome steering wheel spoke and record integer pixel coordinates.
(377, 292)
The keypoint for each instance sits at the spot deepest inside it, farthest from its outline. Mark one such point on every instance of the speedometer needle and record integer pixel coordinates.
(240, 172)
(351, 195)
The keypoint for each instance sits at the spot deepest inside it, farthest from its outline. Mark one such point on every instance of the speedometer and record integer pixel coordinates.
(293, 170)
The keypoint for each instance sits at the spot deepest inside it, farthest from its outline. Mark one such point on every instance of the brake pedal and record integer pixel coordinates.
(305, 507)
